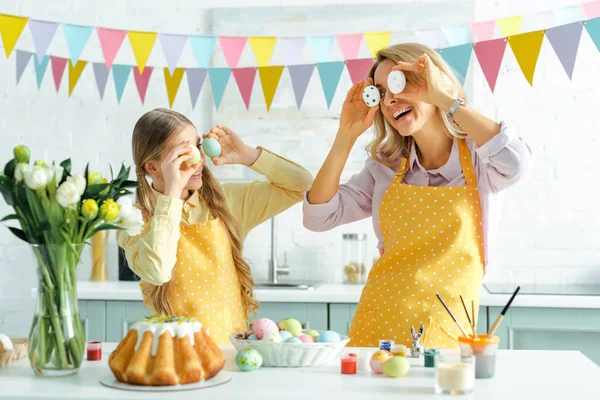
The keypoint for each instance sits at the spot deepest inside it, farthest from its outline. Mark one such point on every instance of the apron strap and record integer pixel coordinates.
(402, 170)
(466, 163)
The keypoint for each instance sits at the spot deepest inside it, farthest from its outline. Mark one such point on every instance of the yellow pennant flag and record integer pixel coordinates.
(262, 47)
(75, 73)
(141, 44)
(269, 78)
(173, 82)
(11, 28)
(377, 41)
(510, 26)
(526, 48)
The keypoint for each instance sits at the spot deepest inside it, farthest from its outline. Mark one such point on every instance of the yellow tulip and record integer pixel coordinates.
(89, 209)
(22, 154)
(94, 178)
(109, 210)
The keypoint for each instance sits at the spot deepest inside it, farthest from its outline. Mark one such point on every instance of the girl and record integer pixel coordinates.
(189, 255)
(431, 183)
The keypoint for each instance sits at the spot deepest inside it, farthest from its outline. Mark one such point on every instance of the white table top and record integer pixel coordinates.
(332, 293)
(519, 375)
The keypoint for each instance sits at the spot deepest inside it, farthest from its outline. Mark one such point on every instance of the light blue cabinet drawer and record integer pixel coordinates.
(93, 319)
(121, 315)
(550, 329)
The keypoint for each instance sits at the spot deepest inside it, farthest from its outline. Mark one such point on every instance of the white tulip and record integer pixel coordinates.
(126, 207)
(79, 182)
(67, 195)
(36, 178)
(54, 172)
(21, 170)
(133, 223)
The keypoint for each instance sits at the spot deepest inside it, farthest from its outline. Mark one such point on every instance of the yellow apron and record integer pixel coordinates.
(433, 244)
(207, 286)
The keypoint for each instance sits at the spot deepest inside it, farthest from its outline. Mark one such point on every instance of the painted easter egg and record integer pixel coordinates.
(272, 337)
(291, 325)
(371, 96)
(306, 339)
(285, 335)
(211, 147)
(396, 367)
(377, 360)
(263, 326)
(248, 360)
(196, 156)
(328, 337)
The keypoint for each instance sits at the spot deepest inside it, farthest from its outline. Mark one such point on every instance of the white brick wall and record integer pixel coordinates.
(550, 226)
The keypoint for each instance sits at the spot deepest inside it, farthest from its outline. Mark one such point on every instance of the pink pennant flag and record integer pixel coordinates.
(110, 41)
(591, 9)
(232, 47)
(483, 30)
(245, 81)
(58, 69)
(349, 45)
(359, 69)
(141, 81)
(490, 54)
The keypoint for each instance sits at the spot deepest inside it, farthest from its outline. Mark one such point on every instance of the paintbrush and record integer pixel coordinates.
(467, 313)
(452, 315)
(501, 316)
(473, 313)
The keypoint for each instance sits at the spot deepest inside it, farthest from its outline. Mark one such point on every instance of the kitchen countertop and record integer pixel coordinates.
(519, 375)
(567, 296)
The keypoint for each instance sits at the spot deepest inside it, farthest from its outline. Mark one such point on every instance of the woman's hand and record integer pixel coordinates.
(356, 117)
(233, 149)
(174, 172)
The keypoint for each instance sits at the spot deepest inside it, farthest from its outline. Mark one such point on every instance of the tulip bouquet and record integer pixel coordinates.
(58, 212)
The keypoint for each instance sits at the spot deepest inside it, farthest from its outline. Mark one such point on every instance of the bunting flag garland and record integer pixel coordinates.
(456, 43)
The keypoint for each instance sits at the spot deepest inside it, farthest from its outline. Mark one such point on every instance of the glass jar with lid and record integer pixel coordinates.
(354, 258)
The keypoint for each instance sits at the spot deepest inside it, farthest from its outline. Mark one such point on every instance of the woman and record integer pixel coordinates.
(435, 169)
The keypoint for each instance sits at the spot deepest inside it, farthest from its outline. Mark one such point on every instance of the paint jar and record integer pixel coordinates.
(430, 357)
(94, 351)
(385, 344)
(399, 350)
(454, 373)
(354, 258)
(484, 350)
(349, 362)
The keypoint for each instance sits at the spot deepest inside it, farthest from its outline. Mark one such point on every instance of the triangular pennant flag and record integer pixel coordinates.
(262, 47)
(483, 31)
(458, 34)
(195, 80)
(141, 81)
(110, 42)
(538, 21)
(593, 29)
(245, 81)
(269, 78)
(172, 82)
(359, 69)
(300, 75)
(75, 74)
(526, 48)
(349, 45)
(40, 69)
(77, 37)
(565, 42)
(141, 44)
(120, 77)
(321, 47)
(11, 28)
(510, 26)
(292, 48)
(490, 54)
(172, 46)
(218, 82)
(567, 15)
(58, 69)
(458, 57)
(232, 47)
(377, 41)
(202, 47)
(432, 37)
(42, 33)
(330, 74)
(591, 9)
(22, 61)
(101, 77)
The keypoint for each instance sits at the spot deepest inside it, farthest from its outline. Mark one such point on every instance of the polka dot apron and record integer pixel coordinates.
(433, 244)
(206, 281)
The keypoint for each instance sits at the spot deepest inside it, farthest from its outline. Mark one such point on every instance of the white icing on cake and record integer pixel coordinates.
(175, 326)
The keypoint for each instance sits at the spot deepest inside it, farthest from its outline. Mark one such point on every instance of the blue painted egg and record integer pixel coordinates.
(211, 147)
(285, 335)
(252, 337)
(293, 339)
(248, 359)
(328, 337)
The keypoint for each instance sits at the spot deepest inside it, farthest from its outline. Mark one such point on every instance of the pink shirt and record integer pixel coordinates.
(498, 164)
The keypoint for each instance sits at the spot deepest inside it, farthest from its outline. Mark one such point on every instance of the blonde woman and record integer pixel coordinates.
(189, 255)
(431, 183)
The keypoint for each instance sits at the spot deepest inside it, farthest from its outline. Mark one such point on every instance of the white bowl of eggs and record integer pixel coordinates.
(288, 345)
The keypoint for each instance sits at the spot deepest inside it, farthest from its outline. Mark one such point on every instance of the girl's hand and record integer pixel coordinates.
(356, 117)
(175, 172)
(233, 149)
(433, 92)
